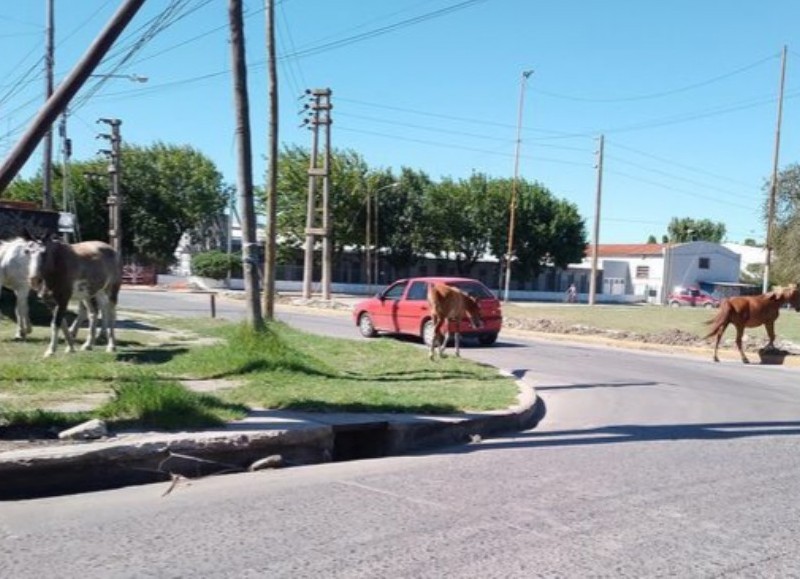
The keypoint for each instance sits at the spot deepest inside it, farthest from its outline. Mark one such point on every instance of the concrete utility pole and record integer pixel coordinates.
(596, 237)
(513, 207)
(245, 164)
(67, 205)
(115, 196)
(47, 150)
(320, 116)
(56, 104)
(773, 185)
(272, 183)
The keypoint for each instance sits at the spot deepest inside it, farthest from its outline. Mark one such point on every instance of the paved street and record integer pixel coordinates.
(644, 465)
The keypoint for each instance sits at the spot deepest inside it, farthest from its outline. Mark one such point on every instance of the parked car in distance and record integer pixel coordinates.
(402, 308)
(692, 296)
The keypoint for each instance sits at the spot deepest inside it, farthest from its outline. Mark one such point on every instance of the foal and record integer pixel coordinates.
(14, 260)
(447, 304)
(751, 312)
(90, 272)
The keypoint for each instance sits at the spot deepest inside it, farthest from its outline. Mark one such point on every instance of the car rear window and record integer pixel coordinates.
(475, 290)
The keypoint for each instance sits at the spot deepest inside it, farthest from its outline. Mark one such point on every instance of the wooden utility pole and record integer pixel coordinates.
(47, 152)
(272, 184)
(773, 185)
(513, 206)
(596, 237)
(245, 165)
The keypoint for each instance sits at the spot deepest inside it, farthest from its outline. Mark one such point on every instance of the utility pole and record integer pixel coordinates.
(56, 104)
(47, 149)
(773, 185)
(596, 237)
(320, 116)
(114, 197)
(272, 184)
(245, 164)
(66, 154)
(513, 207)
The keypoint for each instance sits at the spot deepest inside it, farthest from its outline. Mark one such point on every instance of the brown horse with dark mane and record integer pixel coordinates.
(751, 312)
(449, 304)
(89, 272)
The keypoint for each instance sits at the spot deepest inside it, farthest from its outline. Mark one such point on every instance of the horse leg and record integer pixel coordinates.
(109, 309)
(432, 346)
(770, 327)
(457, 338)
(79, 318)
(92, 335)
(59, 321)
(720, 331)
(445, 336)
(23, 316)
(739, 334)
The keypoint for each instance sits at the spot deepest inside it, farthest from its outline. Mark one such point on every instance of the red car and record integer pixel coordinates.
(692, 296)
(402, 308)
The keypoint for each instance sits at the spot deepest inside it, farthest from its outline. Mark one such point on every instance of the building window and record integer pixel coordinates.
(704, 263)
(642, 271)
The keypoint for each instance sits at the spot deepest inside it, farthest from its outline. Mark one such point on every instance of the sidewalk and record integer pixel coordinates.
(264, 439)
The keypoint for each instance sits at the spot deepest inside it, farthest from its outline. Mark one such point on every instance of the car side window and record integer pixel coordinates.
(418, 291)
(395, 292)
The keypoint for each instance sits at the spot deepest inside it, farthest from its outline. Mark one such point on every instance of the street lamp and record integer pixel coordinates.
(509, 255)
(369, 263)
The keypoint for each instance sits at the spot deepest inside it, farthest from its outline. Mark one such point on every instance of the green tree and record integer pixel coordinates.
(652, 239)
(401, 215)
(168, 190)
(548, 231)
(685, 229)
(786, 227)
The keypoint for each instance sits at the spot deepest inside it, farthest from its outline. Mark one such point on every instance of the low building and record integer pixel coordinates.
(651, 270)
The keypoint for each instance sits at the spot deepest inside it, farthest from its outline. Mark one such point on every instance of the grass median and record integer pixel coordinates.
(144, 384)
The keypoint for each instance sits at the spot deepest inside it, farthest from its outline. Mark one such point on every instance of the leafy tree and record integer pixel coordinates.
(458, 220)
(786, 227)
(401, 215)
(682, 230)
(652, 239)
(167, 190)
(547, 232)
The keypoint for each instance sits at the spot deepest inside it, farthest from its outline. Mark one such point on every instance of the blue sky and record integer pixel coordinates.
(685, 92)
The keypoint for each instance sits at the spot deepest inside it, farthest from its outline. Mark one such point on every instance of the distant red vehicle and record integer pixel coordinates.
(692, 296)
(402, 308)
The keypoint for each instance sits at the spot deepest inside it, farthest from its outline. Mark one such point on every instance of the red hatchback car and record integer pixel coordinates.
(402, 308)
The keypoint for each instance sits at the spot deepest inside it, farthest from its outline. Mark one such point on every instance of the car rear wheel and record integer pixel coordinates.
(708, 306)
(427, 333)
(487, 339)
(675, 304)
(366, 326)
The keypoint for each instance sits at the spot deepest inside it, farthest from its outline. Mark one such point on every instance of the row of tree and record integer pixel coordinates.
(170, 190)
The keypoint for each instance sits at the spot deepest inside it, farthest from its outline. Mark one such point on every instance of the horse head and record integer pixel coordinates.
(789, 294)
(41, 264)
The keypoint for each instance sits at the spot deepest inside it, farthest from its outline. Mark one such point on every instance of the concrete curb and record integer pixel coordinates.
(299, 438)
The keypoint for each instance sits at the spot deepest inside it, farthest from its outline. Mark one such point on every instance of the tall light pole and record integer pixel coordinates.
(773, 185)
(512, 208)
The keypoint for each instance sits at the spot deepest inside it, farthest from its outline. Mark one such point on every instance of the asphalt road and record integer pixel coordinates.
(645, 465)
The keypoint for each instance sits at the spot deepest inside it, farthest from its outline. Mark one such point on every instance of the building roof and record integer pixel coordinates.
(626, 249)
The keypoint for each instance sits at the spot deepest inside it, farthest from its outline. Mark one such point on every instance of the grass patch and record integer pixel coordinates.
(151, 402)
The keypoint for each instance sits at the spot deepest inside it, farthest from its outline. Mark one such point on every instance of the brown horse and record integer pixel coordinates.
(89, 272)
(751, 312)
(449, 304)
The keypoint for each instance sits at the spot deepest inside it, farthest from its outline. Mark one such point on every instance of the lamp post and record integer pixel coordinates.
(512, 209)
(376, 262)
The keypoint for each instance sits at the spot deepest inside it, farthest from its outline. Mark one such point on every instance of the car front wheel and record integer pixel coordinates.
(366, 326)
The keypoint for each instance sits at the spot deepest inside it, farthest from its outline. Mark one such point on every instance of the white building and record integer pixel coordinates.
(652, 270)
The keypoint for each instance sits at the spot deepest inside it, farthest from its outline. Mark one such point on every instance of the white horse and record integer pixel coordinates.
(90, 272)
(14, 264)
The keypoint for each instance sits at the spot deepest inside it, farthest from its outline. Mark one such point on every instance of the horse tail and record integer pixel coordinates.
(720, 320)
